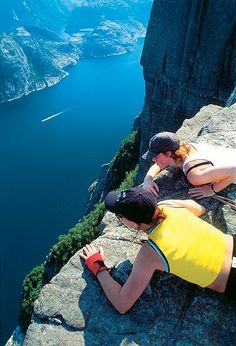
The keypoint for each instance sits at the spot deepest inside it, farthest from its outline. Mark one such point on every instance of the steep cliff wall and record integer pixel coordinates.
(189, 60)
(72, 309)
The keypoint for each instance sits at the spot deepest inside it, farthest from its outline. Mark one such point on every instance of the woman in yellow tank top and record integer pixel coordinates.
(179, 242)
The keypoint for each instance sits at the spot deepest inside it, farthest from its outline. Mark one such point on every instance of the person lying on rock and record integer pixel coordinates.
(211, 167)
(179, 242)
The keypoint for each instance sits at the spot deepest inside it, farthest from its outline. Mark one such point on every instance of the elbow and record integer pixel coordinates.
(122, 310)
(201, 210)
(196, 179)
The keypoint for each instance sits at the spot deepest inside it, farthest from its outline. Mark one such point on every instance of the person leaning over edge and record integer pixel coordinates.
(212, 167)
(179, 242)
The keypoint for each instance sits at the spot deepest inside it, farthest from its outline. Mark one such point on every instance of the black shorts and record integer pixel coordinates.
(230, 290)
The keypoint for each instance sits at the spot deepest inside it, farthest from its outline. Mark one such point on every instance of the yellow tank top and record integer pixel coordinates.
(189, 247)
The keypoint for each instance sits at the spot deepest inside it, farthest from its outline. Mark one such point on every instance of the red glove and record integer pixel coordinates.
(95, 263)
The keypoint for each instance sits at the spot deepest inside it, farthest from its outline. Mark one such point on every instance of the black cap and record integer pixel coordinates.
(136, 204)
(160, 143)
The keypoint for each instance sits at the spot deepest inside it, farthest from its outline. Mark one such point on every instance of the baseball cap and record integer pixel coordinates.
(160, 143)
(136, 204)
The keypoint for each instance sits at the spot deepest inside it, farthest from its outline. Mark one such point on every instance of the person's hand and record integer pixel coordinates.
(94, 259)
(89, 250)
(151, 186)
(201, 191)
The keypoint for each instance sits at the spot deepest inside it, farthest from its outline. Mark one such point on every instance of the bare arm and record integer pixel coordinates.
(148, 182)
(220, 185)
(195, 208)
(124, 297)
(153, 171)
(220, 176)
(212, 174)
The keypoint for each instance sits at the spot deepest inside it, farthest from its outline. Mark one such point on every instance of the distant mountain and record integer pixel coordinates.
(32, 59)
(105, 28)
(111, 38)
(75, 14)
(32, 56)
(89, 14)
(51, 14)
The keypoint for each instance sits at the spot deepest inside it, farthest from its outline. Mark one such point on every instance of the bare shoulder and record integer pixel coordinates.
(194, 207)
(149, 257)
(197, 165)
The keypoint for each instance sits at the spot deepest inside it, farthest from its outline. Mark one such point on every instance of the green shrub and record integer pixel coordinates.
(125, 160)
(83, 232)
(32, 285)
(124, 172)
(129, 179)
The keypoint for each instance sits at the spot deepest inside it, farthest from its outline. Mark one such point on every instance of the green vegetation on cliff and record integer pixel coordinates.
(124, 169)
(83, 233)
(125, 160)
(31, 288)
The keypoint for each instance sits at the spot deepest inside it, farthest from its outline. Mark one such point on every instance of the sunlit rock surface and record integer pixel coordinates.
(73, 310)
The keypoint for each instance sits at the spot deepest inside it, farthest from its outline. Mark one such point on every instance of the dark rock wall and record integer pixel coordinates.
(189, 60)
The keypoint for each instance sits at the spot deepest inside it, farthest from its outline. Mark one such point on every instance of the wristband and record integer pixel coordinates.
(95, 263)
(212, 189)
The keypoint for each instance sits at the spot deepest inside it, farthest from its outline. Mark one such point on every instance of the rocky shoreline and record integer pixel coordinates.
(32, 59)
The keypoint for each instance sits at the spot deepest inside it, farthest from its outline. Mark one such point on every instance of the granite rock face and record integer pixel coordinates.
(188, 61)
(32, 59)
(72, 309)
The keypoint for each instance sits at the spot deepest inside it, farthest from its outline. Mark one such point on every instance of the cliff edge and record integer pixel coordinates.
(188, 62)
(72, 309)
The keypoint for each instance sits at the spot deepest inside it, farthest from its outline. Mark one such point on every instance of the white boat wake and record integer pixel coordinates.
(56, 115)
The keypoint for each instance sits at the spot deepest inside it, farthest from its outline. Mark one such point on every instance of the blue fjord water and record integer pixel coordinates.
(52, 144)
